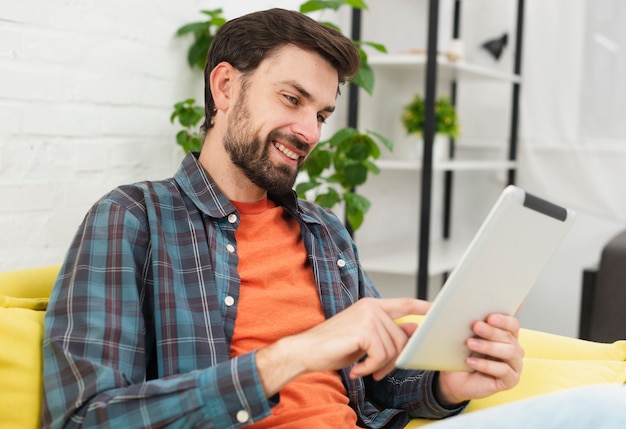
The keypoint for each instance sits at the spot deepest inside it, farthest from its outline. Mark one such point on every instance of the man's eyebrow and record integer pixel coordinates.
(306, 94)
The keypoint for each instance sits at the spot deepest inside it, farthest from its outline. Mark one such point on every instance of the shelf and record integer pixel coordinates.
(454, 69)
(402, 259)
(403, 179)
(447, 165)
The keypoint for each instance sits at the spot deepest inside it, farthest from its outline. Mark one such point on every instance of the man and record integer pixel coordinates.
(217, 299)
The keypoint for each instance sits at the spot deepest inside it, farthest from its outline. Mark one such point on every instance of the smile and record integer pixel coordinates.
(289, 153)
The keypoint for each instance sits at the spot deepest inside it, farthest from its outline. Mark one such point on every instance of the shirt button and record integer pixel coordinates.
(243, 416)
(341, 263)
(229, 301)
(230, 248)
(232, 218)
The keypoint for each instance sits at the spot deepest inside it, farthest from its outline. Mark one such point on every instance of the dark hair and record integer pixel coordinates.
(245, 41)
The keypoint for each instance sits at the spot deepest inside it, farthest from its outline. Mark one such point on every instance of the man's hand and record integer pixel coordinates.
(365, 329)
(497, 362)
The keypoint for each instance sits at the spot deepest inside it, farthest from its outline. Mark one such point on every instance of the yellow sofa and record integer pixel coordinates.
(551, 363)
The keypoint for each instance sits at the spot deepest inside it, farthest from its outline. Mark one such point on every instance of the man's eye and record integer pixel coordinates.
(291, 99)
(321, 119)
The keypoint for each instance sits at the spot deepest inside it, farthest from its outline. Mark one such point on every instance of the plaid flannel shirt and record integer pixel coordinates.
(140, 319)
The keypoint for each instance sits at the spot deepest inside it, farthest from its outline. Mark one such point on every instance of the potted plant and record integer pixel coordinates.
(338, 165)
(187, 112)
(446, 121)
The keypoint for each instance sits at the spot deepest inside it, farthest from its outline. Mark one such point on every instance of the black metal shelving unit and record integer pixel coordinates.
(429, 135)
(430, 88)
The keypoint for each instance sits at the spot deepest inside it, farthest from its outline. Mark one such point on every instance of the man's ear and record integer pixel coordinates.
(223, 80)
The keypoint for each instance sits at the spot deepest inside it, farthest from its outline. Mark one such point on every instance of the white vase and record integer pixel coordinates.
(440, 148)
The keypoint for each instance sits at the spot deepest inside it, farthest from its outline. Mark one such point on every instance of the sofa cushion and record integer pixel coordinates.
(21, 331)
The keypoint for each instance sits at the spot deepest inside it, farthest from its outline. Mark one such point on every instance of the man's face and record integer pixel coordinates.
(277, 119)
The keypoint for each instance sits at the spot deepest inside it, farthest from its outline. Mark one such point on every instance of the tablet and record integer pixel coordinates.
(496, 272)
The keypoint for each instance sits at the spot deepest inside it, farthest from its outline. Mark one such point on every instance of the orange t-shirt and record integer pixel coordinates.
(279, 297)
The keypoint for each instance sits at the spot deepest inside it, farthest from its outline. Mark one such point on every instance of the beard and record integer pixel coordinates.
(251, 153)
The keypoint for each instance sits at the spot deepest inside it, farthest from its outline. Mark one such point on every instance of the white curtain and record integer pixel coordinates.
(573, 120)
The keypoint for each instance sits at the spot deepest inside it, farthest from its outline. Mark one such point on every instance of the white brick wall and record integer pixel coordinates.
(86, 91)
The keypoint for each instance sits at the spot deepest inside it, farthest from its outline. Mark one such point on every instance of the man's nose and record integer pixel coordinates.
(308, 127)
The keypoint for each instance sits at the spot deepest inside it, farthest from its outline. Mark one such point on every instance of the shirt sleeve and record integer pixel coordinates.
(411, 391)
(95, 370)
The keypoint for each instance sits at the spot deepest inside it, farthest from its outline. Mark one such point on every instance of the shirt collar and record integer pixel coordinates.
(198, 185)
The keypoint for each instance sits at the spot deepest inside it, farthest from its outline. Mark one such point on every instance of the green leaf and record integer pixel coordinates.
(328, 199)
(187, 113)
(193, 27)
(323, 145)
(199, 112)
(354, 217)
(340, 161)
(358, 148)
(181, 138)
(357, 201)
(371, 167)
(363, 55)
(318, 161)
(212, 13)
(314, 5)
(385, 141)
(334, 178)
(356, 208)
(354, 175)
(331, 25)
(365, 78)
(215, 15)
(196, 56)
(195, 144)
(344, 133)
(218, 22)
(378, 46)
(303, 187)
(374, 150)
(188, 117)
(357, 4)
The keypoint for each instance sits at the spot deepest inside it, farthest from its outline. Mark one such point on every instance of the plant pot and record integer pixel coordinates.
(440, 147)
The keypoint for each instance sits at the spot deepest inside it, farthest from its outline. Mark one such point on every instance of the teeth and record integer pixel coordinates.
(289, 153)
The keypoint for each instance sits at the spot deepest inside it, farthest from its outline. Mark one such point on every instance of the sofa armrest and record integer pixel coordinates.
(551, 363)
(550, 346)
(29, 283)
